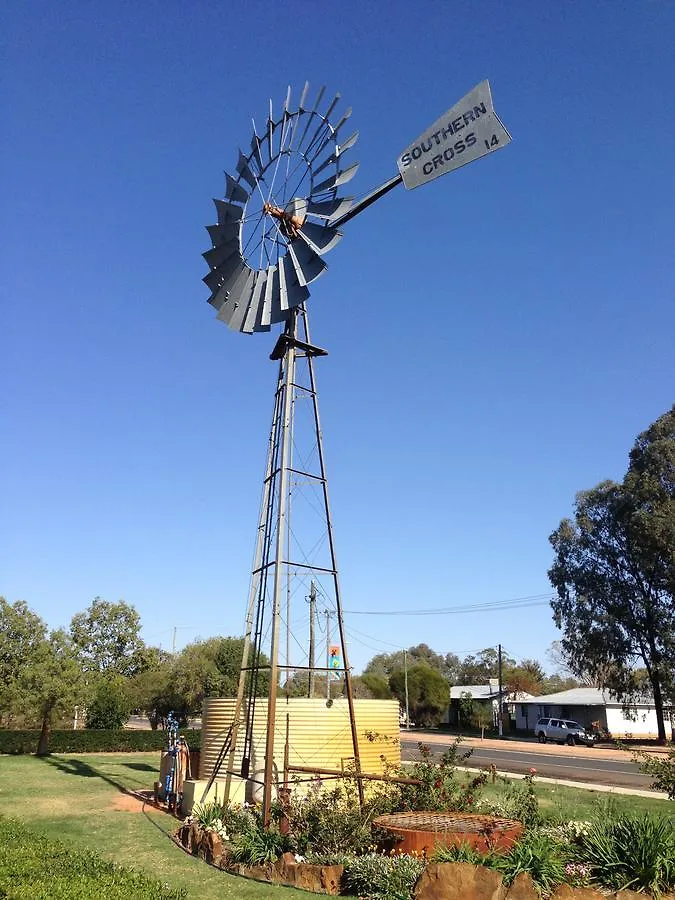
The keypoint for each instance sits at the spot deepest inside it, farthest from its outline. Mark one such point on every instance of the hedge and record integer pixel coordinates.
(33, 865)
(92, 740)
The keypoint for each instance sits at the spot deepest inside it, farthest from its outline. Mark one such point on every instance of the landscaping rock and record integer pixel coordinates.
(522, 888)
(212, 845)
(286, 864)
(259, 873)
(331, 878)
(565, 892)
(459, 881)
(194, 837)
(314, 878)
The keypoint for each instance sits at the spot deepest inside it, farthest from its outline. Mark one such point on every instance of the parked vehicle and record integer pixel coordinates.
(563, 731)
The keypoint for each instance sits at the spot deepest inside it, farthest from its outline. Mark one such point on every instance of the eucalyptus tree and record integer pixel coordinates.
(614, 575)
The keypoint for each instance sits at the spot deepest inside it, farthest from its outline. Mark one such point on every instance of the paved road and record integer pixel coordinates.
(566, 765)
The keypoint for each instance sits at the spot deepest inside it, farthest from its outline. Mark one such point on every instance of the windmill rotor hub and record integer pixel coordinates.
(291, 217)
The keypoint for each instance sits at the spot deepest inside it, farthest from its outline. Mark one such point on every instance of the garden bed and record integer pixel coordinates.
(322, 840)
(436, 880)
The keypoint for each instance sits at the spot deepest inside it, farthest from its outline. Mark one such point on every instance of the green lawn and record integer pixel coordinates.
(78, 798)
(81, 799)
(582, 804)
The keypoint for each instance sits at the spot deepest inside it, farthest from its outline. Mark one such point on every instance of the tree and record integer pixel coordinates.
(384, 664)
(527, 677)
(110, 706)
(52, 684)
(428, 692)
(378, 686)
(479, 669)
(211, 668)
(614, 574)
(467, 709)
(107, 638)
(21, 635)
(483, 717)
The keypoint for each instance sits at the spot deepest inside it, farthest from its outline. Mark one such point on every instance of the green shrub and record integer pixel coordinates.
(109, 707)
(258, 846)
(117, 740)
(329, 820)
(536, 853)
(377, 877)
(463, 852)
(33, 866)
(209, 815)
(626, 852)
(539, 855)
(661, 769)
(438, 786)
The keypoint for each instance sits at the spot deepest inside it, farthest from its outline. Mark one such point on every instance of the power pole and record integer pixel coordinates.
(173, 643)
(500, 724)
(312, 614)
(328, 614)
(405, 677)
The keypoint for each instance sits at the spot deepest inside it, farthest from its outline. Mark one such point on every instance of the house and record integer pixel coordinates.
(589, 707)
(485, 694)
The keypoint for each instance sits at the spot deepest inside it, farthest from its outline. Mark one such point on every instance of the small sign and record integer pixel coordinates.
(334, 658)
(466, 132)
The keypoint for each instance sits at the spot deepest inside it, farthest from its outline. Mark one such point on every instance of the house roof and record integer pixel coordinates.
(477, 691)
(485, 692)
(582, 696)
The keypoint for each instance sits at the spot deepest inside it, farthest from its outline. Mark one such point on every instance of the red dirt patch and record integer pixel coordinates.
(134, 801)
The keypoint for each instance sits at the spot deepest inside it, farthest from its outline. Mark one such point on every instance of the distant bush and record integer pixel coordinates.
(116, 740)
(110, 706)
(32, 865)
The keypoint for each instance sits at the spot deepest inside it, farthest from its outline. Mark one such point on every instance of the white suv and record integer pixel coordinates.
(564, 731)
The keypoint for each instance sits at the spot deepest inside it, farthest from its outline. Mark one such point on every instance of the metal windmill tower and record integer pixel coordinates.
(280, 215)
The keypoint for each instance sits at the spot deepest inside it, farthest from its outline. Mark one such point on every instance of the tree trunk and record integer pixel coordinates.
(658, 704)
(43, 743)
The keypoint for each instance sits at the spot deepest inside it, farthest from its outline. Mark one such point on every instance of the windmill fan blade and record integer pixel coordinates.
(245, 171)
(348, 144)
(319, 238)
(271, 291)
(255, 150)
(336, 180)
(254, 307)
(217, 255)
(230, 289)
(311, 116)
(234, 191)
(219, 277)
(306, 261)
(330, 160)
(329, 209)
(227, 212)
(290, 293)
(333, 104)
(233, 311)
(220, 234)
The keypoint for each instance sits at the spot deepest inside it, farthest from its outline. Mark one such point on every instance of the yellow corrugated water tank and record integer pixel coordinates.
(319, 736)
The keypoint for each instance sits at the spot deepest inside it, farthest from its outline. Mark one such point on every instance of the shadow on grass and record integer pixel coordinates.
(140, 767)
(84, 770)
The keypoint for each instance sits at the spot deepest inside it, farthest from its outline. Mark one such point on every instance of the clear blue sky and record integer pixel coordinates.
(497, 338)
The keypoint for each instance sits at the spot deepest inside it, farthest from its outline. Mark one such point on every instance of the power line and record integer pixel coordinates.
(494, 605)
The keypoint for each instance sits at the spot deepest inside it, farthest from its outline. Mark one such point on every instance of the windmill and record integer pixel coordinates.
(281, 214)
